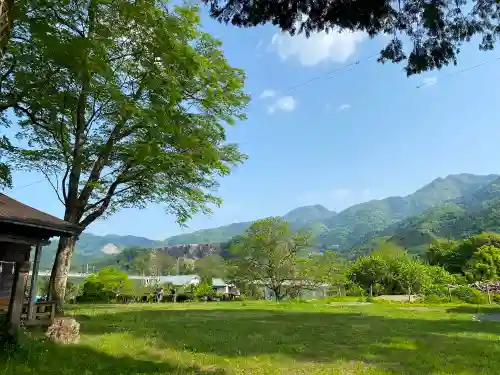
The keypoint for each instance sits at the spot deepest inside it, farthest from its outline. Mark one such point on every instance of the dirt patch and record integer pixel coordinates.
(397, 298)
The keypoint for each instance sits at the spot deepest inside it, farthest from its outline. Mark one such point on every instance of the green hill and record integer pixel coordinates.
(472, 213)
(453, 206)
(367, 219)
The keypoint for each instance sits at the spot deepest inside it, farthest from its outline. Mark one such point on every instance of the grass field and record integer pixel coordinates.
(266, 338)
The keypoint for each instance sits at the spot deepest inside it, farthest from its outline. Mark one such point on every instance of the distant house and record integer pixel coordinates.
(219, 285)
(178, 280)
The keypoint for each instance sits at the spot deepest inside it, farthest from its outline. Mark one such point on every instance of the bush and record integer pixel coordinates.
(183, 297)
(469, 295)
(354, 290)
(436, 294)
(495, 298)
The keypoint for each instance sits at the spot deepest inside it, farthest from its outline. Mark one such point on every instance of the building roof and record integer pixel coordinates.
(218, 282)
(178, 279)
(17, 213)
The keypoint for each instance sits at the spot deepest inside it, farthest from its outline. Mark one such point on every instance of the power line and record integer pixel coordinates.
(27, 185)
(354, 64)
(430, 82)
(351, 66)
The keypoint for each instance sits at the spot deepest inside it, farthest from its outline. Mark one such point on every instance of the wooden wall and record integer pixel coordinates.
(12, 253)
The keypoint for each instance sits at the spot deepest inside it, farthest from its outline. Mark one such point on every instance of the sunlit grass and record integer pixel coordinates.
(268, 338)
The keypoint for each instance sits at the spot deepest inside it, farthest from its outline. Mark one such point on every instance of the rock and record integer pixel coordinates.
(64, 331)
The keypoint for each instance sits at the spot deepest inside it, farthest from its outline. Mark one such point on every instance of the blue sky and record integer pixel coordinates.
(364, 132)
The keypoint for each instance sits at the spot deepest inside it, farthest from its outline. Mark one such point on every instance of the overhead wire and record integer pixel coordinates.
(353, 65)
(27, 185)
(430, 82)
(330, 72)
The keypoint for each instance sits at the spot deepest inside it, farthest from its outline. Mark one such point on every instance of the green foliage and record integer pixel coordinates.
(469, 295)
(106, 285)
(204, 291)
(267, 254)
(476, 256)
(111, 128)
(484, 264)
(412, 276)
(367, 271)
(210, 267)
(324, 268)
(434, 41)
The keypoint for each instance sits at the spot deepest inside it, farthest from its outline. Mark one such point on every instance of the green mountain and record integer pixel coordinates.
(447, 207)
(307, 217)
(472, 213)
(91, 246)
(356, 222)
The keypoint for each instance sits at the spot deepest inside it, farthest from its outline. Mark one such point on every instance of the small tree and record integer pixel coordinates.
(209, 267)
(412, 277)
(109, 283)
(204, 291)
(367, 271)
(326, 268)
(267, 254)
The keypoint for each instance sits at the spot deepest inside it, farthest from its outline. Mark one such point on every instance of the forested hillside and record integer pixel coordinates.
(455, 206)
(472, 213)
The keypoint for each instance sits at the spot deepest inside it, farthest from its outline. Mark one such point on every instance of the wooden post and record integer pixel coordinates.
(34, 278)
(17, 298)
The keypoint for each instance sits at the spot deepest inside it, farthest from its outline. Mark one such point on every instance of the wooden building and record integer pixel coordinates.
(21, 229)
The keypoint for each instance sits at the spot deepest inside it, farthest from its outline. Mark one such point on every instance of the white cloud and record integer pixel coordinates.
(267, 94)
(344, 107)
(428, 81)
(285, 103)
(319, 47)
(259, 44)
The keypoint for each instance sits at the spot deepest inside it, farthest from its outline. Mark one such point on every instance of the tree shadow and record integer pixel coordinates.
(474, 309)
(396, 345)
(42, 357)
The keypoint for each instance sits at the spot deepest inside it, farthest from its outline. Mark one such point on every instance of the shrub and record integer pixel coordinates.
(183, 297)
(495, 298)
(469, 295)
(354, 290)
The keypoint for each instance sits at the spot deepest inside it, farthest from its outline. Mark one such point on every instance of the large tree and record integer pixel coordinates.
(434, 30)
(120, 104)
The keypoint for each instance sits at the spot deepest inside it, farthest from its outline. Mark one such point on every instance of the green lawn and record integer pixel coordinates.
(266, 338)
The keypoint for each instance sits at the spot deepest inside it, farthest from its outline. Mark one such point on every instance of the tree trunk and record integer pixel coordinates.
(371, 290)
(60, 269)
(489, 294)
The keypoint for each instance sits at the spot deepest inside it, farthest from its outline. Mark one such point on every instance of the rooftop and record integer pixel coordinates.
(16, 213)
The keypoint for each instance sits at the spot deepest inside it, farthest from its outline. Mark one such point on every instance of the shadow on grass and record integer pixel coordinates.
(396, 345)
(42, 357)
(474, 309)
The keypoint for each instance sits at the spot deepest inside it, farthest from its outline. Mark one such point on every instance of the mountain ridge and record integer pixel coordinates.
(343, 230)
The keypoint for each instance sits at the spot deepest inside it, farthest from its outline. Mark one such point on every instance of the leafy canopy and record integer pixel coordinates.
(434, 29)
(268, 254)
(121, 104)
